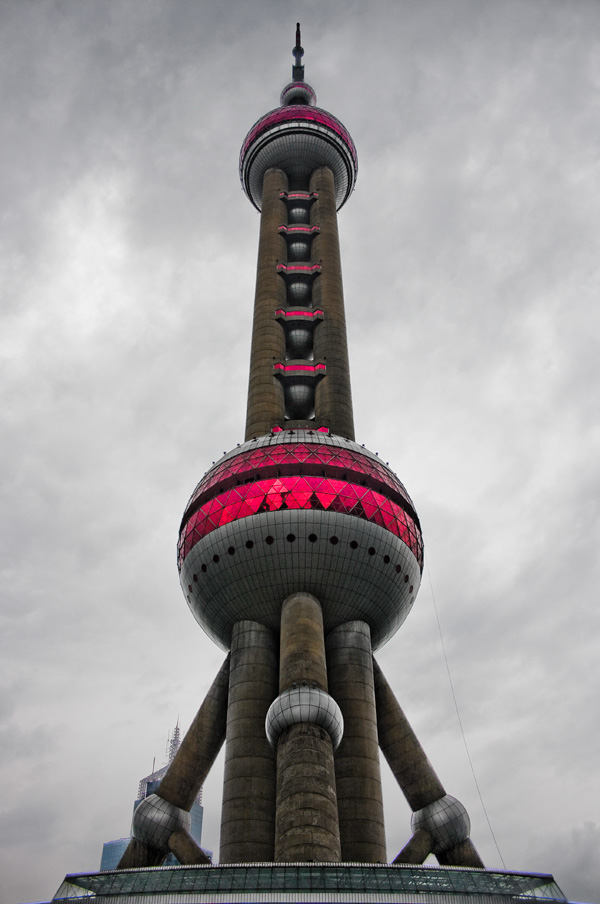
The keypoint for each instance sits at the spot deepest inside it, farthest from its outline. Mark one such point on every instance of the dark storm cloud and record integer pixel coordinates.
(127, 252)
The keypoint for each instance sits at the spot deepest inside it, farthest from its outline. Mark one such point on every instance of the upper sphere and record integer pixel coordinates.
(298, 139)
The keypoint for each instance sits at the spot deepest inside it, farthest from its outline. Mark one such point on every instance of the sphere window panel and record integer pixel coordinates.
(299, 342)
(299, 290)
(301, 453)
(300, 493)
(298, 249)
(298, 213)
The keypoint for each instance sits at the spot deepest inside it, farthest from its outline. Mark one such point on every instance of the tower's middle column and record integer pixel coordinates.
(308, 722)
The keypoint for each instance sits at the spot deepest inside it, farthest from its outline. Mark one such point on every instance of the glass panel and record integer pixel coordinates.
(367, 879)
(301, 493)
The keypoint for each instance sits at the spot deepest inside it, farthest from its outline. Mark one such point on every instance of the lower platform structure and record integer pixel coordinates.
(309, 882)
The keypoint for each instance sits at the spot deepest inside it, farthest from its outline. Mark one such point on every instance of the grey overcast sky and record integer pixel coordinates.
(471, 267)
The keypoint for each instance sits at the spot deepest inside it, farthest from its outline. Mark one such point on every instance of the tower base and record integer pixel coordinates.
(308, 882)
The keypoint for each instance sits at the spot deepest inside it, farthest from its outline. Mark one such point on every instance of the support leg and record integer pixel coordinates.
(154, 824)
(441, 817)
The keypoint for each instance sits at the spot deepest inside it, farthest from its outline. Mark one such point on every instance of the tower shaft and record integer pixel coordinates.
(265, 393)
(333, 403)
(299, 369)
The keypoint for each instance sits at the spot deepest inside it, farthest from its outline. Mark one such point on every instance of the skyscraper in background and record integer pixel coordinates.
(112, 851)
(300, 553)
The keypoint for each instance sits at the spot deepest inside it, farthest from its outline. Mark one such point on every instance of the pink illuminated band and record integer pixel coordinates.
(299, 230)
(299, 113)
(299, 268)
(278, 429)
(298, 195)
(299, 493)
(291, 368)
(312, 315)
(301, 459)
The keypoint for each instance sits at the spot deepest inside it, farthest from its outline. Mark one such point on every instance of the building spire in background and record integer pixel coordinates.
(173, 742)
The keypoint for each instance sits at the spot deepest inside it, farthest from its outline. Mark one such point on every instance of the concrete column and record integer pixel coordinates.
(302, 645)
(138, 853)
(412, 770)
(306, 826)
(417, 779)
(186, 849)
(198, 751)
(333, 398)
(265, 392)
(357, 773)
(417, 849)
(248, 814)
(464, 854)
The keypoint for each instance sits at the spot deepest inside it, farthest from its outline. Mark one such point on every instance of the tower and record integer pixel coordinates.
(301, 553)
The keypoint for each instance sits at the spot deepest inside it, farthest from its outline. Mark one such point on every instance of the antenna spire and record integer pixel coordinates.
(298, 52)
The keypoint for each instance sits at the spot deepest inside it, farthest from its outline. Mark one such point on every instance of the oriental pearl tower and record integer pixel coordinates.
(300, 553)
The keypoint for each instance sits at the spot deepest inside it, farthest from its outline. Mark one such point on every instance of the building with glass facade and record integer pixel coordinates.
(300, 553)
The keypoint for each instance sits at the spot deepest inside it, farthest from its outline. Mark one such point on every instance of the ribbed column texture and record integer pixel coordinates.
(357, 773)
(302, 645)
(464, 854)
(333, 400)
(417, 849)
(265, 392)
(307, 826)
(248, 814)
